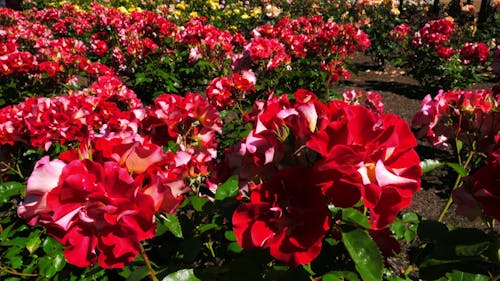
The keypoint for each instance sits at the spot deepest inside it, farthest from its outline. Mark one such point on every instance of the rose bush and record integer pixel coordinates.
(164, 143)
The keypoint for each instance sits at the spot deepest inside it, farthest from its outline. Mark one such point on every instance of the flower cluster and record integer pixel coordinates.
(41, 121)
(325, 154)
(225, 91)
(470, 116)
(99, 200)
(312, 37)
(400, 33)
(474, 52)
(434, 33)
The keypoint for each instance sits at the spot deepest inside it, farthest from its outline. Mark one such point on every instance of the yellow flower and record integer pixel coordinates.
(245, 16)
(236, 11)
(177, 14)
(213, 4)
(395, 11)
(78, 8)
(193, 14)
(123, 10)
(137, 9)
(182, 5)
(233, 28)
(256, 12)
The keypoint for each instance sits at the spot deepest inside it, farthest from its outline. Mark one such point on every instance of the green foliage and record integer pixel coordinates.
(406, 227)
(10, 189)
(462, 249)
(365, 254)
(228, 189)
(182, 275)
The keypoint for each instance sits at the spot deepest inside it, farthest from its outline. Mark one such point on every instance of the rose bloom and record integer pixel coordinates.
(445, 52)
(287, 214)
(474, 52)
(95, 210)
(400, 32)
(49, 67)
(367, 156)
(486, 183)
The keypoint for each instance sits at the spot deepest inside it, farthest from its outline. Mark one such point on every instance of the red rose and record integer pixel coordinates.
(485, 187)
(99, 214)
(367, 156)
(474, 52)
(286, 214)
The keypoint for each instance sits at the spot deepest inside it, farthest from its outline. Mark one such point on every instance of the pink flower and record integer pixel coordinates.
(42, 180)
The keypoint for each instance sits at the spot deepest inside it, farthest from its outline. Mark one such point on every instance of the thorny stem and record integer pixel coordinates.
(148, 264)
(455, 186)
(15, 272)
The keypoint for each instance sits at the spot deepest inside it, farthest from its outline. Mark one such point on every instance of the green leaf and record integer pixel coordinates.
(228, 189)
(173, 224)
(460, 145)
(365, 254)
(50, 265)
(10, 189)
(458, 168)
(229, 234)
(340, 276)
(208, 226)
(16, 262)
(141, 78)
(410, 217)
(33, 241)
(138, 274)
(432, 231)
(182, 275)
(429, 165)
(469, 241)
(456, 275)
(399, 228)
(51, 247)
(198, 202)
(354, 216)
(409, 235)
(234, 247)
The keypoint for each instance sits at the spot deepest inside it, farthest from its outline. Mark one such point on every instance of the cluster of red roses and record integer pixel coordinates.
(225, 91)
(472, 118)
(313, 38)
(436, 35)
(400, 33)
(303, 156)
(99, 199)
(62, 42)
